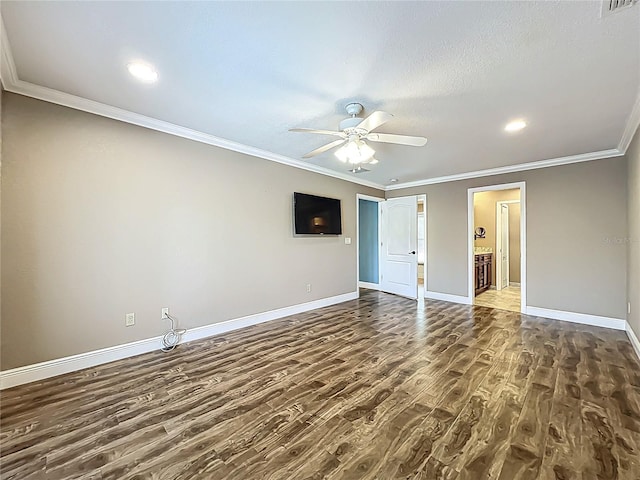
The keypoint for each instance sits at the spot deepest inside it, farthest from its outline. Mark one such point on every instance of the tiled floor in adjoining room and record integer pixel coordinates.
(505, 299)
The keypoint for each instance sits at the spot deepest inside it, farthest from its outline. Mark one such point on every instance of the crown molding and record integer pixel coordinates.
(521, 167)
(632, 126)
(11, 83)
(8, 75)
(97, 108)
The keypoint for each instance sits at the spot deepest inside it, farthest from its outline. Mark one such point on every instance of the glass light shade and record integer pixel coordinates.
(355, 152)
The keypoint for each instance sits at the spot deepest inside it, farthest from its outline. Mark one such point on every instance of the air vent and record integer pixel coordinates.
(613, 6)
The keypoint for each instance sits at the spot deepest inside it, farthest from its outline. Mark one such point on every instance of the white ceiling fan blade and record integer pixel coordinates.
(322, 132)
(399, 139)
(324, 148)
(374, 120)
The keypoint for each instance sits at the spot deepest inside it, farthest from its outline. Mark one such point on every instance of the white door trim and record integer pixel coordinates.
(362, 196)
(423, 197)
(523, 238)
(499, 242)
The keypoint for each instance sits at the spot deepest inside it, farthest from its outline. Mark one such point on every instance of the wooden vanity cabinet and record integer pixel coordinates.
(483, 263)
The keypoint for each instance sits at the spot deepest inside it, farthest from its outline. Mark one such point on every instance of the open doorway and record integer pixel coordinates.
(392, 247)
(369, 228)
(497, 245)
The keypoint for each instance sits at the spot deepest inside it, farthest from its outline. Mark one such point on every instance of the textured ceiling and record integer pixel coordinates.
(454, 72)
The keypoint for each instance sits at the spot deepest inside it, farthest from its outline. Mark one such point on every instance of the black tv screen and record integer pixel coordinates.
(314, 215)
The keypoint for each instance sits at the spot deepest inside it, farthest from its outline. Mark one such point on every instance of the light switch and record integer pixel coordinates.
(347, 240)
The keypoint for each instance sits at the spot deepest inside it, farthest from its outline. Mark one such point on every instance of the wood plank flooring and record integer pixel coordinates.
(376, 388)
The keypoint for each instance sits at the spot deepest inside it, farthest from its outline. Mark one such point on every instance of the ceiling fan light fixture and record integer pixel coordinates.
(355, 152)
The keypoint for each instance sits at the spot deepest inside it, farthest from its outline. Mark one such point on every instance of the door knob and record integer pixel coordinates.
(413, 252)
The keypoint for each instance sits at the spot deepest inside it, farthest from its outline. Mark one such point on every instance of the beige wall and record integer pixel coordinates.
(632, 241)
(101, 218)
(485, 215)
(571, 212)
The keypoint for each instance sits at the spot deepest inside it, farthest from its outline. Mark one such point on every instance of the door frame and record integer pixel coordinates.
(381, 255)
(523, 238)
(423, 197)
(359, 284)
(499, 241)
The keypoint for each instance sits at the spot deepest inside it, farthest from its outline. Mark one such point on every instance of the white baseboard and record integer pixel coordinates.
(59, 366)
(633, 339)
(514, 284)
(236, 323)
(372, 286)
(52, 368)
(583, 318)
(447, 297)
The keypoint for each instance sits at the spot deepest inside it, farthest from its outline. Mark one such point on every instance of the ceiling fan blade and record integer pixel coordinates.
(322, 132)
(324, 148)
(399, 139)
(374, 120)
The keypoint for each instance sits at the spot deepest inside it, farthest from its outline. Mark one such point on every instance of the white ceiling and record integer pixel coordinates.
(454, 72)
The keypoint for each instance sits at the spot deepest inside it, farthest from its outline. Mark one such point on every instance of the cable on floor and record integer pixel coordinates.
(172, 338)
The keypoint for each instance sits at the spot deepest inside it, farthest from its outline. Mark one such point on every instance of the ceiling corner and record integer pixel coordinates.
(8, 74)
(631, 127)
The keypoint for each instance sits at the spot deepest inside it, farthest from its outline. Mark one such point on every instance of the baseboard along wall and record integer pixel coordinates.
(447, 297)
(60, 366)
(582, 318)
(369, 285)
(633, 338)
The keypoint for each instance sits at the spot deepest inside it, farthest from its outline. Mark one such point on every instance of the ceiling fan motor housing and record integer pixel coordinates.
(354, 109)
(350, 124)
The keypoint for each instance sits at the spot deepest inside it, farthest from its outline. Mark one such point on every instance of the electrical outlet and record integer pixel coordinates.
(165, 312)
(130, 319)
(308, 288)
(347, 240)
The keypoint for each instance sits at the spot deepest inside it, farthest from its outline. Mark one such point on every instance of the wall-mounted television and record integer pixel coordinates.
(313, 215)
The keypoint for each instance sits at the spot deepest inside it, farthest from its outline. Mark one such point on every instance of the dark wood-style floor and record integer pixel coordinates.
(376, 388)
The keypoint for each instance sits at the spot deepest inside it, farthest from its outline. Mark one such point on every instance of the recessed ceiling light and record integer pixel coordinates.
(393, 180)
(143, 72)
(515, 126)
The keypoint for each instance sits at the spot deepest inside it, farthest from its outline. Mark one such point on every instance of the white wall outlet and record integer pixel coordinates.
(130, 319)
(347, 240)
(165, 312)
(308, 288)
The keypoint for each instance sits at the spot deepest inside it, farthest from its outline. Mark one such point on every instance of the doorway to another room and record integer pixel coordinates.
(497, 254)
(392, 244)
(369, 233)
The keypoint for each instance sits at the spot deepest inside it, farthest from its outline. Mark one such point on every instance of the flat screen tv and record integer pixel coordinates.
(314, 215)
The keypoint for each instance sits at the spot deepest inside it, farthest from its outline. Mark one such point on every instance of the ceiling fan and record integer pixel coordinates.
(353, 133)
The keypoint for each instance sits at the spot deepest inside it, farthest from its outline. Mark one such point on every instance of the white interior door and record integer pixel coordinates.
(503, 281)
(399, 245)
